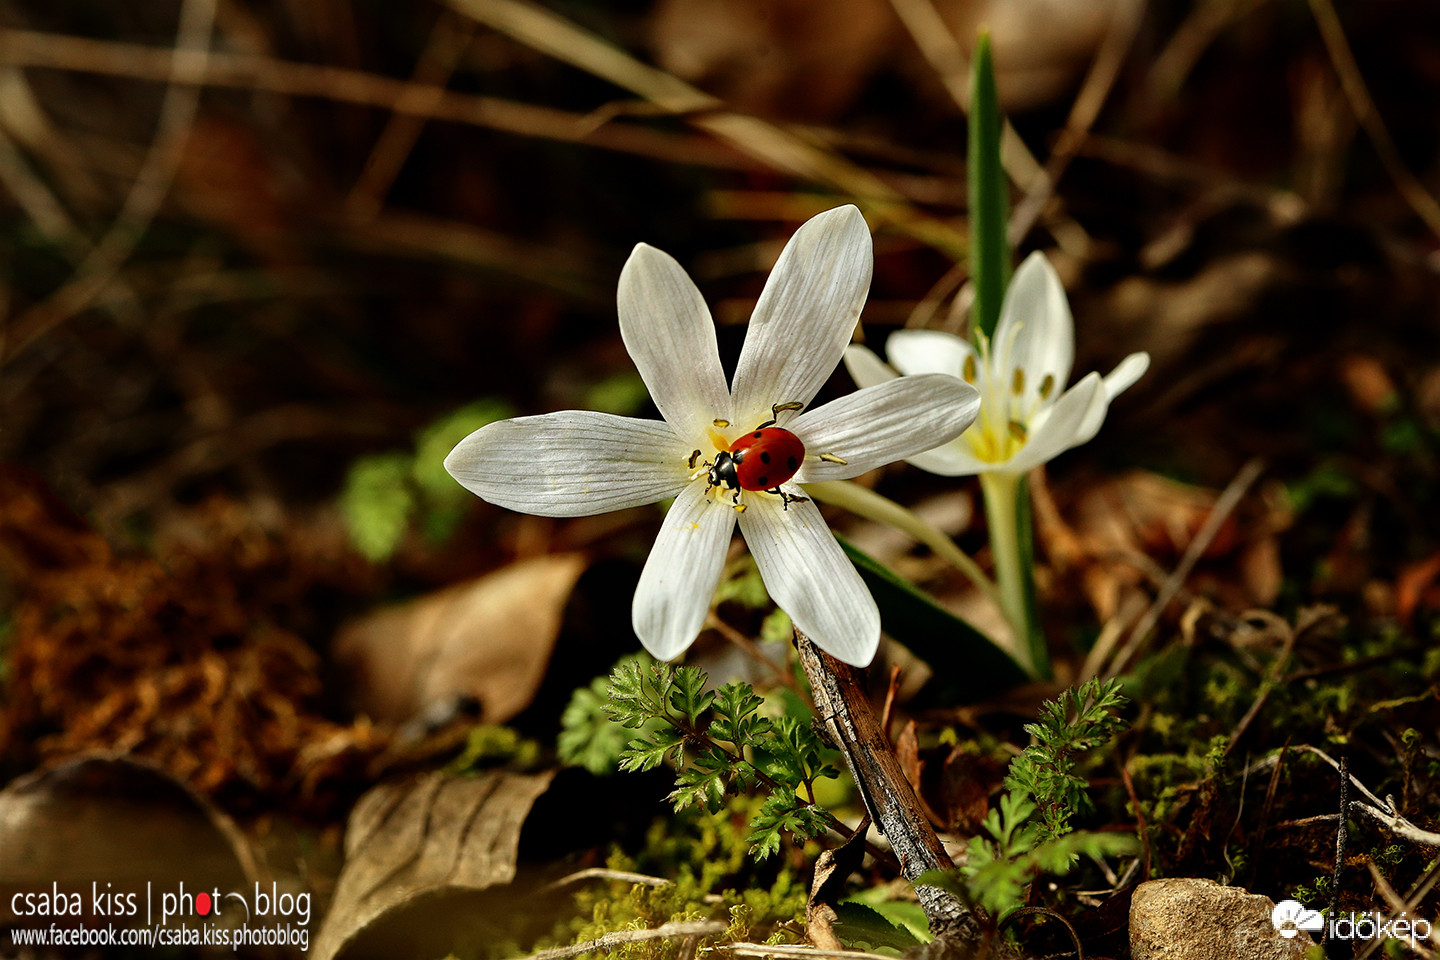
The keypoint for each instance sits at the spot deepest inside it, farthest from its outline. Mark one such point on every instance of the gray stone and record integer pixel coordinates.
(1188, 919)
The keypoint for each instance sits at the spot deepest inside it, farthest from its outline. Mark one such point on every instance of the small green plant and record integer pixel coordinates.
(718, 742)
(1030, 833)
(1079, 720)
(387, 492)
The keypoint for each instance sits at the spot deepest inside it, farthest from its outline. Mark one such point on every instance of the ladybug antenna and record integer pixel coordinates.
(779, 408)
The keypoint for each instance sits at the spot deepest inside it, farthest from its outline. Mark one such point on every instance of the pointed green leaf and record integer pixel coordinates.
(989, 195)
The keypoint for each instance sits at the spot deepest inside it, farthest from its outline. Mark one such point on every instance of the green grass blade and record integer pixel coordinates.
(989, 195)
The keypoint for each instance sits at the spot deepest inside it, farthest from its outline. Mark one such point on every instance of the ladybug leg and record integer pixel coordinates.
(787, 498)
(777, 409)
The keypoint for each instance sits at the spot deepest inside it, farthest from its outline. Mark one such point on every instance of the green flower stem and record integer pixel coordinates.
(866, 503)
(1006, 509)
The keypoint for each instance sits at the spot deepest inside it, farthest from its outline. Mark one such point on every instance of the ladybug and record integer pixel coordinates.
(762, 459)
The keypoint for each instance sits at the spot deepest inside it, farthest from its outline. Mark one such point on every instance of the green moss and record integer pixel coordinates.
(704, 856)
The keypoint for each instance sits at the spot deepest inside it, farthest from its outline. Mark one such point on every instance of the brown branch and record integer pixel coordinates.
(843, 706)
(691, 928)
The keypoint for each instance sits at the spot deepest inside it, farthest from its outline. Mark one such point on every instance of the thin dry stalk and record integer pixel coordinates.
(1353, 83)
(694, 928)
(177, 115)
(950, 63)
(778, 148)
(447, 44)
(1225, 504)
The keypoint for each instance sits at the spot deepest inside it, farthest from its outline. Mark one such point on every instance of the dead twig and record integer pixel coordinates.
(778, 148)
(1225, 504)
(692, 928)
(797, 952)
(177, 115)
(1361, 103)
(448, 41)
(947, 58)
(843, 706)
(1382, 811)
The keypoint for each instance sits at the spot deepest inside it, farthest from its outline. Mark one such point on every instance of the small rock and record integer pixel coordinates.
(1188, 919)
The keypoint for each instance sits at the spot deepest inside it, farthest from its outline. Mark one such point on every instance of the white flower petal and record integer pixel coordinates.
(1125, 374)
(954, 459)
(865, 368)
(878, 425)
(1060, 430)
(1045, 343)
(805, 316)
(574, 463)
(811, 579)
(680, 575)
(668, 331)
(927, 351)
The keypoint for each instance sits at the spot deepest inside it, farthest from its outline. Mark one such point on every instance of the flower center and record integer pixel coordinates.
(758, 461)
(1007, 408)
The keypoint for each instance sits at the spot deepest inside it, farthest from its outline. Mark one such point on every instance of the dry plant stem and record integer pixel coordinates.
(1351, 81)
(177, 113)
(1383, 811)
(1225, 504)
(843, 706)
(1419, 892)
(1271, 682)
(776, 147)
(864, 502)
(27, 48)
(448, 40)
(692, 928)
(1400, 907)
(1104, 70)
(796, 952)
(1342, 834)
(947, 58)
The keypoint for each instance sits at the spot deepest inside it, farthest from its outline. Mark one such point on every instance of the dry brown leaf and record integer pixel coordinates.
(118, 825)
(426, 836)
(832, 870)
(489, 639)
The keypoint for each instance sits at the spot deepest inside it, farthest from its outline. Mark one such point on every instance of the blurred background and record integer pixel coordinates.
(264, 261)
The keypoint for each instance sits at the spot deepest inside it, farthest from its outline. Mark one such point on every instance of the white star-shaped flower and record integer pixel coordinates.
(1025, 419)
(577, 463)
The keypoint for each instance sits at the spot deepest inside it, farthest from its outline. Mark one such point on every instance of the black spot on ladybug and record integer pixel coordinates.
(764, 457)
(794, 464)
(764, 481)
(758, 434)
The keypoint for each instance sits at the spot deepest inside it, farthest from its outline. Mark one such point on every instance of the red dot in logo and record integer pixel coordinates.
(202, 904)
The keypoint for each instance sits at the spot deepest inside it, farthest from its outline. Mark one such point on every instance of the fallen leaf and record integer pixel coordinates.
(121, 826)
(832, 869)
(430, 835)
(489, 639)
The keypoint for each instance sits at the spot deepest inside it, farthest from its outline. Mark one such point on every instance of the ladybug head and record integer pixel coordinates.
(722, 472)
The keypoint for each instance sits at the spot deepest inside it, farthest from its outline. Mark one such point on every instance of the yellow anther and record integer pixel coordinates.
(792, 405)
(720, 423)
(693, 457)
(831, 458)
(739, 507)
(1018, 383)
(970, 371)
(1018, 430)
(1047, 386)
